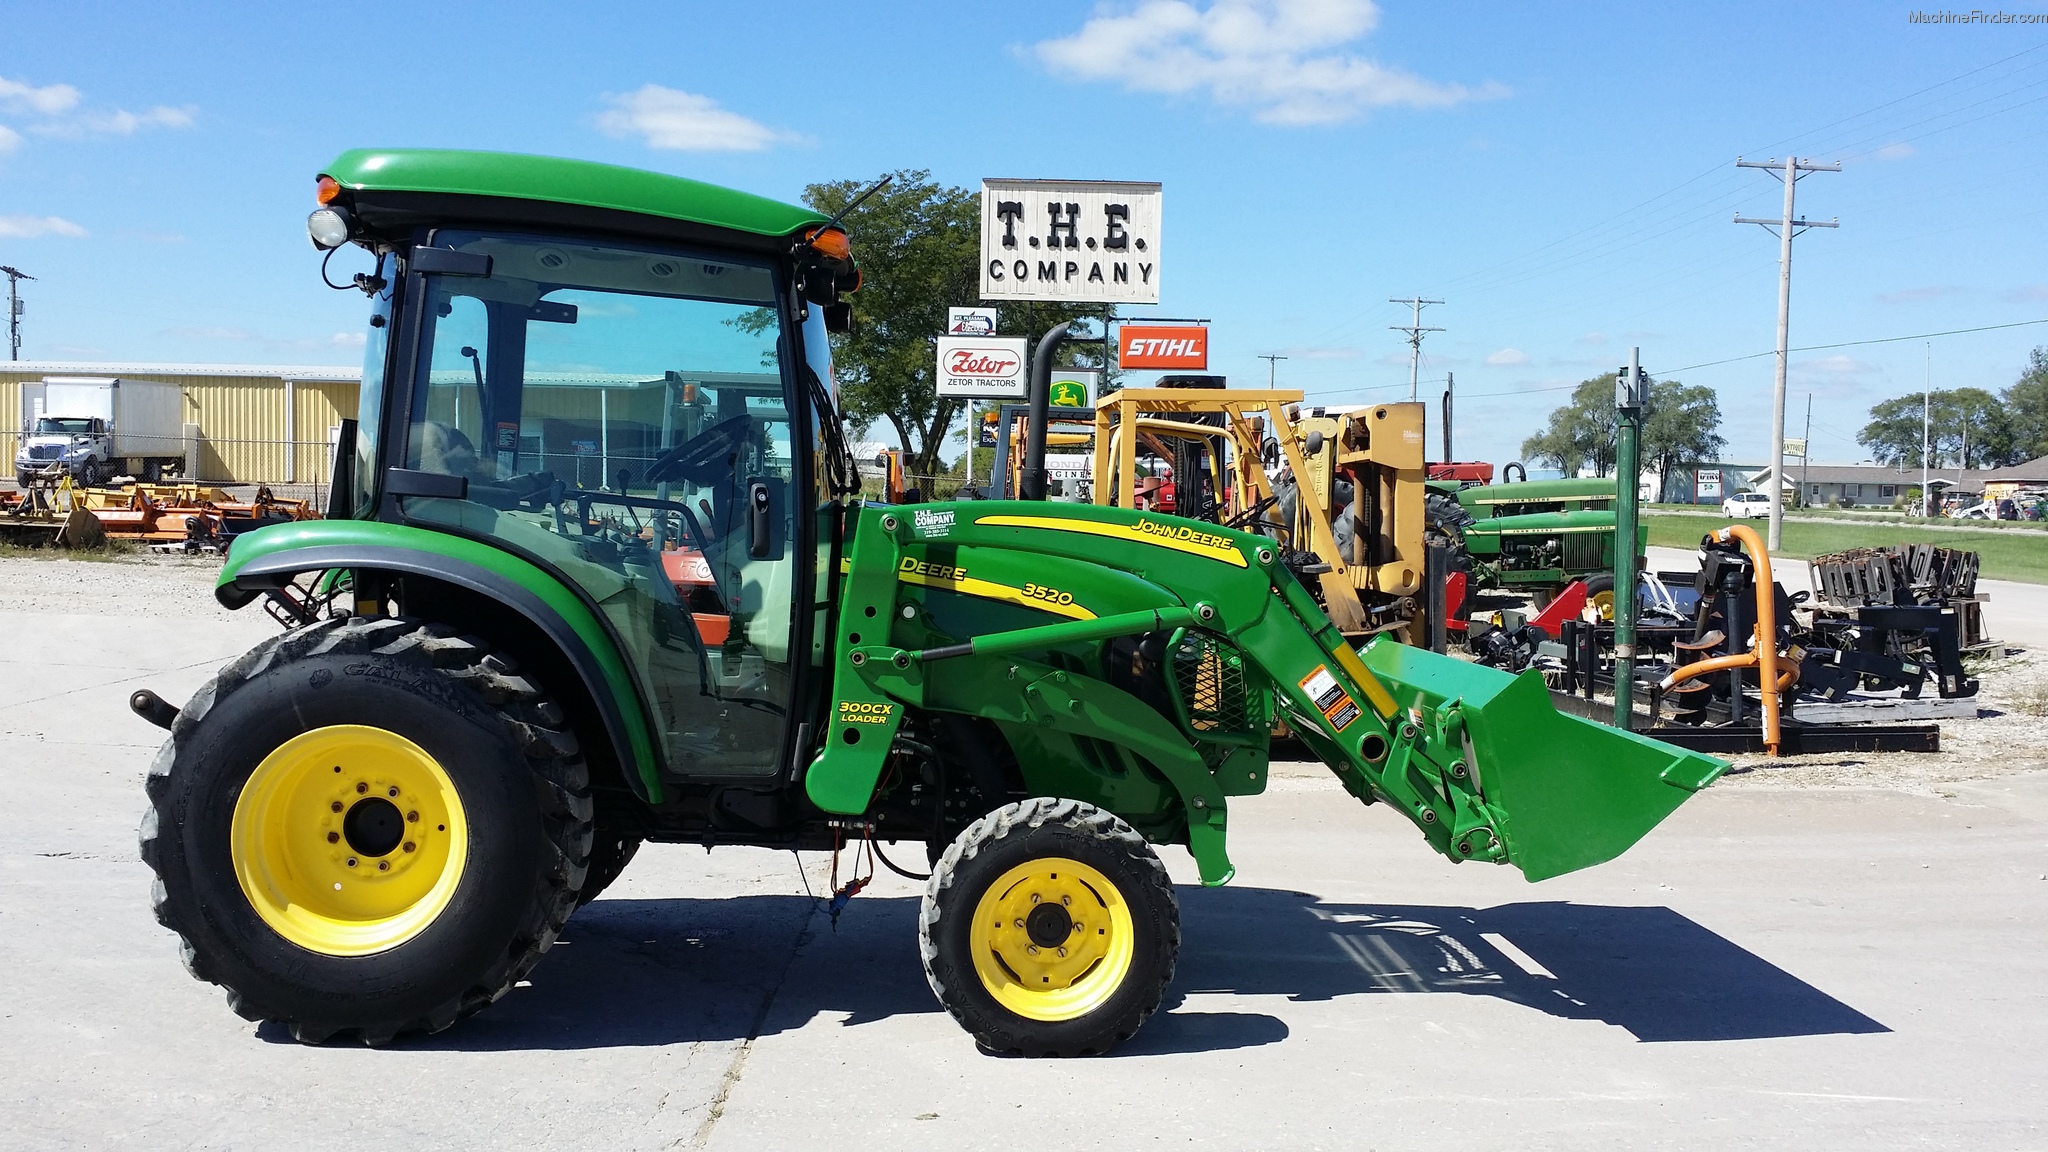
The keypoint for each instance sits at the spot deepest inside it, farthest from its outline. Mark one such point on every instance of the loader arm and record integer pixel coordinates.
(1001, 610)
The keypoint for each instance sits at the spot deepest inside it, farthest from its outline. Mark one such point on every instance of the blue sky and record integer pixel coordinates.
(1561, 175)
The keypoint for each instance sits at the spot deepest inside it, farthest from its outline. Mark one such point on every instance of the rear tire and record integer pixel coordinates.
(1600, 592)
(245, 840)
(1023, 974)
(610, 852)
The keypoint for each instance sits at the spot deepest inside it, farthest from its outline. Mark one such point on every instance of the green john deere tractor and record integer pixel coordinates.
(1534, 535)
(595, 578)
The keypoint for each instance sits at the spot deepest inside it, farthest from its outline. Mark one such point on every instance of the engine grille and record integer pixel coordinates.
(1215, 692)
(45, 451)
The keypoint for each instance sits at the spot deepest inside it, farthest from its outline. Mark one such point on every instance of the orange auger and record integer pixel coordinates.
(1763, 654)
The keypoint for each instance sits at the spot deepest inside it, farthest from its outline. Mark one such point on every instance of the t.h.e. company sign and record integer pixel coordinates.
(1073, 240)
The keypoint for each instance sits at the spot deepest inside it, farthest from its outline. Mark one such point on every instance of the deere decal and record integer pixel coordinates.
(953, 578)
(1180, 537)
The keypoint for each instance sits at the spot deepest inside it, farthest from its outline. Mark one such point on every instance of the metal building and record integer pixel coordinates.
(245, 423)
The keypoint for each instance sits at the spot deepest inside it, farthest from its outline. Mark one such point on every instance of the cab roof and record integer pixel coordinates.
(546, 180)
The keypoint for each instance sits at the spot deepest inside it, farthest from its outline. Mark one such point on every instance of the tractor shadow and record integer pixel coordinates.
(655, 972)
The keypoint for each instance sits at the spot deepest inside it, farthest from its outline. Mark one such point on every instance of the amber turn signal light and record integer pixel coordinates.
(831, 243)
(327, 188)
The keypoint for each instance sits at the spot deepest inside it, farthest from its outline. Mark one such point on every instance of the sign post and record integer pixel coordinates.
(1631, 390)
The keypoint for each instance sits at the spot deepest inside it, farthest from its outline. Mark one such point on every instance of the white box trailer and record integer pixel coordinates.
(99, 427)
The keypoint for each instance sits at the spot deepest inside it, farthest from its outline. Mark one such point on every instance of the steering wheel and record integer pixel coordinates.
(700, 459)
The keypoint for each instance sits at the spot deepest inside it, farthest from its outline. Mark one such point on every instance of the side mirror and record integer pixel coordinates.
(760, 521)
(839, 318)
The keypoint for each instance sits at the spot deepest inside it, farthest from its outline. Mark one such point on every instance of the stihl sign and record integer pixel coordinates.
(1160, 346)
(991, 366)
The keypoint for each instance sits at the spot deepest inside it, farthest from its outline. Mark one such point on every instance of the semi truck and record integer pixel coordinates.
(96, 428)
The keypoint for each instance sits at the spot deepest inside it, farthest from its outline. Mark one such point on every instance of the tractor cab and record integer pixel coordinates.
(628, 410)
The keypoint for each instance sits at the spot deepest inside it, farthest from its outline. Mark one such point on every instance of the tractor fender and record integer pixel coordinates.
(270, 557)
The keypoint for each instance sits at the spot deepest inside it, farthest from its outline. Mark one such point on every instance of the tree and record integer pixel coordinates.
(918, 246)
(1579, 434)
(1681, 425)
(2026, 409)
(1959, 421)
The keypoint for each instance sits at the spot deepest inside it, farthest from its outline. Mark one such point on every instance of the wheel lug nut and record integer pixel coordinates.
(1031, 948)
(335, 807)
(385, 866)
(1077, 925)
(1034, 897)
(351, 861)
(1063, 953)
(1066, 900)
(1019, 923)
(334, 837)
(412, 817)
(361, 787)
(392, 792)
(408, 845)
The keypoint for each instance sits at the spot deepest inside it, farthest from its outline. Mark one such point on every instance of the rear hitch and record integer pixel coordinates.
(153, 708)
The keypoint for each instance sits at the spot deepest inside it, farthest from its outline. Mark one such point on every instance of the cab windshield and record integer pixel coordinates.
(57, 426)
(623, 415)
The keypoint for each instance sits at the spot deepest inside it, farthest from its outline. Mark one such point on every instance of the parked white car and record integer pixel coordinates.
(1747, 506)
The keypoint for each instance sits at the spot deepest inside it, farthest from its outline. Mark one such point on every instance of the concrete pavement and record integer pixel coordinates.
(1797, 969)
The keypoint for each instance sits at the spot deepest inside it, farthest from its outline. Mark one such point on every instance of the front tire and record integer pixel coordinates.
(1049, 928)
(366, 827)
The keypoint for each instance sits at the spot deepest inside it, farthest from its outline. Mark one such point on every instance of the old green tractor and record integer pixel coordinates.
(595, 577)
(1534, 535)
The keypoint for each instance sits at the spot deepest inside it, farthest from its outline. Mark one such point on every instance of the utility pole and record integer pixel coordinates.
(1784, 228)
(1926, 425)
(14, 276)
(1414, 331)
(1269, 369)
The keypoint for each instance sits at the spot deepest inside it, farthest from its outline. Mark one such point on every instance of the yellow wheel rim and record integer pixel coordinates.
(1604, 601)
(1052, 939)
(349, 840)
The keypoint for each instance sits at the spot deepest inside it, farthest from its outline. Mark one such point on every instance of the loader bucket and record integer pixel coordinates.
(1566, 793)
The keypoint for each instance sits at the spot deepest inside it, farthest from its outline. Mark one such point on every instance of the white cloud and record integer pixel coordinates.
(684, 122)
(118, 122)
(1916, 295)
(1897, 151)
(1836, 365)
(1594, 338)
(1508, 358)
(30, 227)
(53, 100)
(56, 110)
(2030, 294)
(1283, 59)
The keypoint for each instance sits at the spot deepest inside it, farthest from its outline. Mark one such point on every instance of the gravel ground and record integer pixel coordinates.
(138, 584)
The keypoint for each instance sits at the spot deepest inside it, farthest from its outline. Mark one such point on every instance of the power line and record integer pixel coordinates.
(1857, 344)
(1271, 363)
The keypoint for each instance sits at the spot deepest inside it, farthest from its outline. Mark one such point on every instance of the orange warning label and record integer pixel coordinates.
(1330, 698)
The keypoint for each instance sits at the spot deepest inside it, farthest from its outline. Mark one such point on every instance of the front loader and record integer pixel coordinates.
(594, 577)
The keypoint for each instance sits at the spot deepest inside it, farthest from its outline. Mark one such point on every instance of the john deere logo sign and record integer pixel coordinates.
(1073, 388)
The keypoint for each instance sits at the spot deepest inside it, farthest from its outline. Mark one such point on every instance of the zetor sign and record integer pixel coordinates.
(1162, 346)
(1072, 240)
(983, 366)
